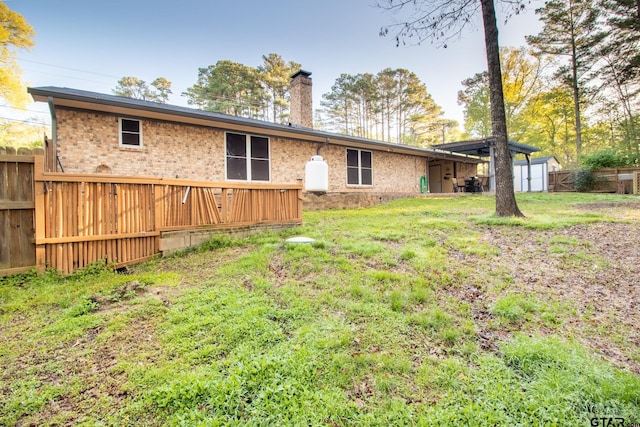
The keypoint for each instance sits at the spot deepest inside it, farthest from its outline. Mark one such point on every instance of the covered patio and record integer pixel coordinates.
(483, 148)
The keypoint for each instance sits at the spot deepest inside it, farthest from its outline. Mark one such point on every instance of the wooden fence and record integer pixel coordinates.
(606, 180)
(17, 249)
(80, 219)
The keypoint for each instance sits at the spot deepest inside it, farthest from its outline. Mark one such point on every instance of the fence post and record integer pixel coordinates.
(39, 192)
(299, 203)
(224, 206)
(159, 213)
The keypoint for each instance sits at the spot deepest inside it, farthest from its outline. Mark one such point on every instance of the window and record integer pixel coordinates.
(359, 167)
(130, 133)
(247, 157)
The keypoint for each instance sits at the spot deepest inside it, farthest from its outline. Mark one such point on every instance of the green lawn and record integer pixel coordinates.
(416, 312)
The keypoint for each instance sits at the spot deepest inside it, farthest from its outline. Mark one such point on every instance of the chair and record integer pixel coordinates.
(484, 182)
(459, 185)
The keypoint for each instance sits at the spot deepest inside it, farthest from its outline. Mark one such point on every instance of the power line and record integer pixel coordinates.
(66, 76)
(29, 122)
(24, 109)
(68, 68)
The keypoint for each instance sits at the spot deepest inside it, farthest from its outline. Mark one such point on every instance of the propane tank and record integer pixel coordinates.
(316, 175)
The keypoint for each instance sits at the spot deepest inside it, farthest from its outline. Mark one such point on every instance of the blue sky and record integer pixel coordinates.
(91, 44)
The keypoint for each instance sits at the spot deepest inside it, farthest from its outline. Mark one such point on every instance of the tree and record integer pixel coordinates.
(338, 104)
(229, 87)
(442, 20)
(258, 92)
(570, 30)
(477, 107)
(618, 99)
(133, 87)
(275, 74)
(552, 118)
(162, 91)
(393, 105)
(22, 133)
(623, 18)
(521, 81)
(506, 204)
(618, 73)
(15, 33)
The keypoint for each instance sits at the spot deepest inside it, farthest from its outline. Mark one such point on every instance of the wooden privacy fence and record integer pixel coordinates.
(606, 180)
(17, 249)
(81, 219)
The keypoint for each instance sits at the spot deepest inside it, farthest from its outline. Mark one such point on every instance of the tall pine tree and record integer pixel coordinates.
(571, 33)
(623, 17)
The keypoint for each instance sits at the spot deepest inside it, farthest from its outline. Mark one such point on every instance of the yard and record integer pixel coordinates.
(416, 312)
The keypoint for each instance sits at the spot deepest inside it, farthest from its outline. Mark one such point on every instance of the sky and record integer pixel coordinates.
(90, 45)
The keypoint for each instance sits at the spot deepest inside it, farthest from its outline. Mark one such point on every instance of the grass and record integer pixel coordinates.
(400, 314)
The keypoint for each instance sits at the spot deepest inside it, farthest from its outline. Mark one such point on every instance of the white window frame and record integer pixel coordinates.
(249, 157)
(360, 151)
(121, 132)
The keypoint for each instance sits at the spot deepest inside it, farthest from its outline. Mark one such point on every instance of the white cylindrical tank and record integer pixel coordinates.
(316, 175)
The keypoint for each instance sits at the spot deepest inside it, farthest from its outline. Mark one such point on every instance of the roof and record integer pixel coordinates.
(482, 147)
(94, 101)
(301, 72)
(537, 161)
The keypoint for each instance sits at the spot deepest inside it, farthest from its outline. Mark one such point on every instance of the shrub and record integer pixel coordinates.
(583, 180)
(602, 159)
(610, 158)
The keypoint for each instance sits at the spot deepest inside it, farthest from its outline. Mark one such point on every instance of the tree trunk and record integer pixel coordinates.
(575, 87)
(506, 204)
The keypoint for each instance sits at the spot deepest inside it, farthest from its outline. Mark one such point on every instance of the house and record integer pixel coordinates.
(539, 168)
(100, 133)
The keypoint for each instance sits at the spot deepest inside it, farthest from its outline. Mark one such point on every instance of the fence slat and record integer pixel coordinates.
(72, 220)
(606, 180)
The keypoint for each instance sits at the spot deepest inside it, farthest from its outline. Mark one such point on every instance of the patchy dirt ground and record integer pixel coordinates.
(594, 269)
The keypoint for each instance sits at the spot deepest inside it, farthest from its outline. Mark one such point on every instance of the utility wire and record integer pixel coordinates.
(29, 122)
(24, 109)
(67, 76)
(68, 68)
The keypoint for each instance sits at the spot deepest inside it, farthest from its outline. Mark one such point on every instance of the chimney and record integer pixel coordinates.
(301, 110)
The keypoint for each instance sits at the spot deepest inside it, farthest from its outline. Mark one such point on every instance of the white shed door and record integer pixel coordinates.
(538, 179)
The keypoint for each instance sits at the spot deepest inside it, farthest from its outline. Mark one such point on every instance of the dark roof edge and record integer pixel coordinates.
(520, 147)
(536, 161)
(302, 73)
(178, 111)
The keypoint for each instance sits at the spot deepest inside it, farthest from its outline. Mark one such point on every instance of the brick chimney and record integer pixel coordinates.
(301, 110)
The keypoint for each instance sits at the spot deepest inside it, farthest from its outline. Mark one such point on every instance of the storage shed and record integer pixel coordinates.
(540, 169)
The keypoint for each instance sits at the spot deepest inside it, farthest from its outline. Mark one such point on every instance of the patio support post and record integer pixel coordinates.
(528, 156)
(492, 169)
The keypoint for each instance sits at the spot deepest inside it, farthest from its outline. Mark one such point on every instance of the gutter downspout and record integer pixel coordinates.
(321, 146)
(54, 134)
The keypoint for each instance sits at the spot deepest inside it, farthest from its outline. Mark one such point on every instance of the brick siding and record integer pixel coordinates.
(88, 142)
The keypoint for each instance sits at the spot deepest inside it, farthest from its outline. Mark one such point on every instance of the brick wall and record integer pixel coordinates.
(466, 170)
(349, 200)
(88, 142)
(301, 103)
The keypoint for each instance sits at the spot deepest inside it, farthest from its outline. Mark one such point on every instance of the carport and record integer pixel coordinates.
(483, 148)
